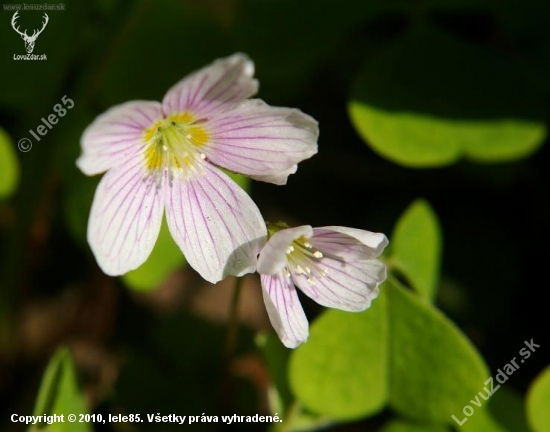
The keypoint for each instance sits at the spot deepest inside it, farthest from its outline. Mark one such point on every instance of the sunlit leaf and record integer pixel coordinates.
(165, 258)
(9, 166)
(429, 99)
(60, 394)
(416, 246)
(428, 352)
(342, 369)
(354, 364)
(538, 401)
(301, 420)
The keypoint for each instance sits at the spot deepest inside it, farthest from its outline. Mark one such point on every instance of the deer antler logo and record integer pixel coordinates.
(29, 40)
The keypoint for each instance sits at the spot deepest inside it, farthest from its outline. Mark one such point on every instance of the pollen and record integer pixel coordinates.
(304, 260)
(173, 146)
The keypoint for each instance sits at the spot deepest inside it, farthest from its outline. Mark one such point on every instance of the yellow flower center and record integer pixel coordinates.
(173, 145)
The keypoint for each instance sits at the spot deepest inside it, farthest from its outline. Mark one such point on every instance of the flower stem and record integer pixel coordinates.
(230, 348)
(233, 323)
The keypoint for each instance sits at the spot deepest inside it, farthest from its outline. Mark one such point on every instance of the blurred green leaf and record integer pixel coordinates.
(538, 401)
(9, 166)
(482, 421)
(60, 394)
(164, 41)
(295, 417)
(300, 419)
(61, 42)
(407, 426)
(77, 202)
(508, 408)
(276, 357)
(165, 258)
(526, 21)
(430, 357)
(78, 189)
(241, 180)
(174, 365)
(430, 98)
(416, 248)
(342, 370)
(287, 55)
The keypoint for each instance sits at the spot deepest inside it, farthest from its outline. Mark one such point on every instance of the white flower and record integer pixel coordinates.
(335, 266)
(165, 156)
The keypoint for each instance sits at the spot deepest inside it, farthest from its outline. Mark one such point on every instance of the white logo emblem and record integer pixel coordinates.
(29, 40)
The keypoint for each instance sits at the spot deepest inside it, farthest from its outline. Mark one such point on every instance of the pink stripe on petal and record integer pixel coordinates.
(284, 309)
(350, 286)
(213, 88)
(349, 243)
(215, 223)
(116, 135)
(261, 141)
(125, 219)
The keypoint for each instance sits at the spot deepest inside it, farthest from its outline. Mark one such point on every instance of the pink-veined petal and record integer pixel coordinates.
(350, 286)
(213, 88)
(279, 178)
(125, 218)
(215, 223)
(273, 257)
(116, 135)
(284, 309)
(263, 142)
(348, 243)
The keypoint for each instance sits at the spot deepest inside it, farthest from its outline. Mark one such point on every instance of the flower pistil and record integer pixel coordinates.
(303, 259)
(173, 146)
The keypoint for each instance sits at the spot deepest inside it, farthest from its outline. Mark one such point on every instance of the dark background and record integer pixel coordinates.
(162, 350)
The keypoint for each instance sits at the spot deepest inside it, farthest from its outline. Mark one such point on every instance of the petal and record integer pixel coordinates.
(350, 286)
(213, 88)
(261, 141)
(348, 243)
(273, 257)
(284, 309)
(125, 218)
(215, 223)
(116, 135)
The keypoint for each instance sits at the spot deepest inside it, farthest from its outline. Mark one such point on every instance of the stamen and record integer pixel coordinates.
(304, 260)
(173, 147)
